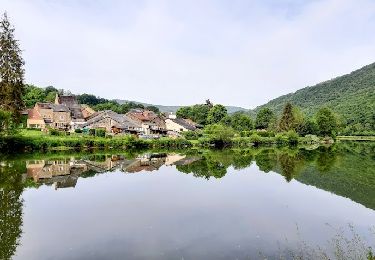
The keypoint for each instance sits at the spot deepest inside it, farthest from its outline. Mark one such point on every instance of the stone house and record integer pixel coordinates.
(112, 123)
(179, 125)
(71, 102)
(64, 114)
(49, 115)
(150, 122)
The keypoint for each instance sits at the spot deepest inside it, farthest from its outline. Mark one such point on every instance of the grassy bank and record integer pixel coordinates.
(27, 141)
(32, 141)
(356, 138)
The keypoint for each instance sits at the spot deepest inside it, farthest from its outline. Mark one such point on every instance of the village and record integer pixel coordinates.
(66, 114)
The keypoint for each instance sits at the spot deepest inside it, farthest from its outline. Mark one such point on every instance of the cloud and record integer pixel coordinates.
(182, 52)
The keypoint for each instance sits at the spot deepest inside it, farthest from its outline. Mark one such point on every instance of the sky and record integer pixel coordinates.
(182, 52)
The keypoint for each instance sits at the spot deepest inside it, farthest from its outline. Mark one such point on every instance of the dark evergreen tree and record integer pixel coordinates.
(288, 120)
(11, 70)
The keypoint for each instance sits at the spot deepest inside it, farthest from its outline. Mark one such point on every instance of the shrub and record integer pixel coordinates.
(78, 131)
(255, 139)
(100, 132)
(92, 131)
(56, 132)
(192, 135)
(311, 139)
(292, 137)
(266, 133)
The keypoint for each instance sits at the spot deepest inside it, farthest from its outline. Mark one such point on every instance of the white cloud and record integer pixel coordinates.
(235, 52)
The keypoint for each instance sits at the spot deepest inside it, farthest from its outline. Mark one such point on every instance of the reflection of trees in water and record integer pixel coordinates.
(204, 168)
(242, 159)
(289, 162)
(326, 159)
(11, 188)
(266, 160)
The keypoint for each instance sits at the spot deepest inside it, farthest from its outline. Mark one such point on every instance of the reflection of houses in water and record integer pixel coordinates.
(147, 162)
(65, 173)
(173, 158)
(107, 163)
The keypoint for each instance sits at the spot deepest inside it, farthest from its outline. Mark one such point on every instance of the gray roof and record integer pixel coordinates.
(122, 120)
(59, 108)
(182, 122)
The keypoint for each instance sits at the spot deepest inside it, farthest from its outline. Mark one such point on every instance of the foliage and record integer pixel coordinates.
(216, 113)
(352, 96)
(308, 126)
(100, 132)
(241, 122)
(6, 123)
(11, 70)
(192, 135)
(11, 205)
(288, 120)
(198, 113)
(219, 134)
(153, 108)
(264, 118)
(327, 122)
(292, 137)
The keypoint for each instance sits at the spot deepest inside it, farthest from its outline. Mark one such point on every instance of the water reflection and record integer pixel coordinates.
(11, 188)
(347, 170)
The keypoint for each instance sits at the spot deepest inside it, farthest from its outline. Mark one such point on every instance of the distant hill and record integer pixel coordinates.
(352, 96)
(164, 109)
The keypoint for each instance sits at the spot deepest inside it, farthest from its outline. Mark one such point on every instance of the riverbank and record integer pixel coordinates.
(32, 141)
(356, 138)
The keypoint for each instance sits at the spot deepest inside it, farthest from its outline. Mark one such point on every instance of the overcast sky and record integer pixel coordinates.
(177, 52)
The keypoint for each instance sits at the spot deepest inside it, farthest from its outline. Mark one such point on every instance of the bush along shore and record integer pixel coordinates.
(29, 141)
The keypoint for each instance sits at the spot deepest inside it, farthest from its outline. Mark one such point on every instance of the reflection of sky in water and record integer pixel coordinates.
(172, 215)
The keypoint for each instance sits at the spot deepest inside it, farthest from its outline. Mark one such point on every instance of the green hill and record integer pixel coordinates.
(165, 108)
(352, 96)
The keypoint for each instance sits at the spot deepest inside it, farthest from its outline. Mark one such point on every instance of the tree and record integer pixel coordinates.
(326, 121)
(198, 113)
(264, 118)
(227, 120)
(50, 97)
(184, 112)
(288, 119)
(242, 122)
(33, 95)
(219, 134)
(308, 126)
(216, 113)
(11, 70)
(153, 108)
(6, 123)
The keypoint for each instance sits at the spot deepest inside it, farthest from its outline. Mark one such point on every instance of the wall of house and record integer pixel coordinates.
(45, 113)
(35, 123)
(172, 126)
(105, 123)
(61, 119)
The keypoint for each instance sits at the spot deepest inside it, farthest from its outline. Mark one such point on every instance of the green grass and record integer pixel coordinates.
(356, 138)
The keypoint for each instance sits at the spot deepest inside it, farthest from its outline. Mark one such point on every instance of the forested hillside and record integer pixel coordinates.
(351, 96)
(166, 108)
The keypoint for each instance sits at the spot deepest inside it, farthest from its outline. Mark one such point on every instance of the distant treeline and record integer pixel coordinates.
(216, 119)
(35, 94)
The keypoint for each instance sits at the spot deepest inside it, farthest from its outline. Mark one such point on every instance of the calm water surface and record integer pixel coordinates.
(229, 204)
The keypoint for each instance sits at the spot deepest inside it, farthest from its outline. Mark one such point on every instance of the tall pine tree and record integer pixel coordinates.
(288, 120)
(11, 70)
